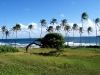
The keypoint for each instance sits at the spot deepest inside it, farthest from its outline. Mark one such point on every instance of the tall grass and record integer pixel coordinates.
(5, 48)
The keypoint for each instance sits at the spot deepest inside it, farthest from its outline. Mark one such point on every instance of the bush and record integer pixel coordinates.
(53, 40)
(8, 49)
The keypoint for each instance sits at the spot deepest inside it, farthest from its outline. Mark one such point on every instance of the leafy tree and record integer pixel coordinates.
(53, 40)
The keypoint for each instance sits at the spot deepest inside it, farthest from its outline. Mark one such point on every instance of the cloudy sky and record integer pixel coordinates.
(28, 12)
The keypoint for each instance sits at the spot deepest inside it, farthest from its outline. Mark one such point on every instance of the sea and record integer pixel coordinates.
(22, 42)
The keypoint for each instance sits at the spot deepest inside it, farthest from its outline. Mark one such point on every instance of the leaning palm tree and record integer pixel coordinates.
(30, 27)
(74, 28)
(67, 29)
(84, 17)
(89, 30)
(7, 33)
(3, 28)
(43, 23)
(97, 22)
(80, 32)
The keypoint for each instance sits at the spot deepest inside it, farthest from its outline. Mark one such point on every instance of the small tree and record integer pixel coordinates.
(53, 40)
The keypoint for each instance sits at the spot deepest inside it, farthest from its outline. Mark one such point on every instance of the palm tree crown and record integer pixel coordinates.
(53, 21)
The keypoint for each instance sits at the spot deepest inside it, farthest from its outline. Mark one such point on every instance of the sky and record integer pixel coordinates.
(26, 12)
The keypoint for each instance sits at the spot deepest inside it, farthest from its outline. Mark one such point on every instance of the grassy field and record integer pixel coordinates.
(72, 61)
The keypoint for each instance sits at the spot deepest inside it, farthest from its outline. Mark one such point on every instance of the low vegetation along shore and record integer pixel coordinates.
(71, 61)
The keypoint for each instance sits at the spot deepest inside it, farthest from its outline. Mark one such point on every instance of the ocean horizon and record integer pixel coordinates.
(76, 40)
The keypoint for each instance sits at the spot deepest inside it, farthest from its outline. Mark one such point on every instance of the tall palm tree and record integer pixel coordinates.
(89, 30)
(53, 22)
(16, 28)
(67, 29)
(3, 28)
(80, 32)
(7, 33)
(43, 23)
(74, 28)
(97, 22)
(84, 17)
(30, 27)
(63, 23)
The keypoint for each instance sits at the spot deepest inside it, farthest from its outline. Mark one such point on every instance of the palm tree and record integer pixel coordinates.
(80, 32)
(58, 28)
(63, 22)
(53, 21)
(50, 29)
(84, 17)
(43, 23)
(67, 29)
(97, 22)
(3, 28)
(75, 27)
(89, 30)
(16, 28)
(7, 33)
(30, 27)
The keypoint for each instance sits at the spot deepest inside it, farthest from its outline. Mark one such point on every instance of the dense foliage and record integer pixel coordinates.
(53, 40)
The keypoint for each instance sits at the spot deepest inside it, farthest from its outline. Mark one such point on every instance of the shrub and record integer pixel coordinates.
(53, 40)
(6, 48)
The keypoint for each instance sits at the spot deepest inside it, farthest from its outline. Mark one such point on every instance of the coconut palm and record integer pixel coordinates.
(30, 27)
(7, 33)
(84, 17)
(58, 28)
(97, 22)
(74, 28)
(80, 32)
(17, 28)
(50, 29)
(63, 22)
(67, 29)
(3, 28)
(43, 23)
(89, 30)
(53, 21)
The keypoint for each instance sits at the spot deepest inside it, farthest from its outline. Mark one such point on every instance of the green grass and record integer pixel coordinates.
(72, 61)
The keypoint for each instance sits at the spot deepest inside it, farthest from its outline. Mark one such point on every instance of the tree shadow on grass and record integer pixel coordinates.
(51, 53)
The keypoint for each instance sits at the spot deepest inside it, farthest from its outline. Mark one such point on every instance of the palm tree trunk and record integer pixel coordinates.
(41, 32)
(73, 37)
(80, 39)
(96, 34)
